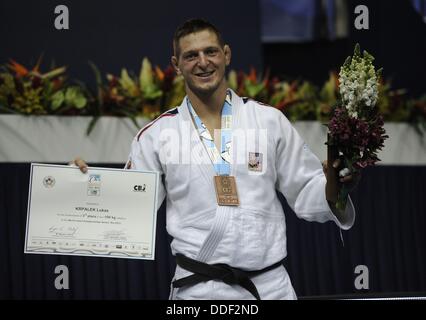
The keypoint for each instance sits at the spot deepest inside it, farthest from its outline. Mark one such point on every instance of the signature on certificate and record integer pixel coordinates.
(115, 235)
(61, 231)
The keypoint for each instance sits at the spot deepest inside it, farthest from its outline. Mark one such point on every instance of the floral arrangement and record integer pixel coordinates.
(356, 131)
(153, 90)
(302, 100)
(145, 95)
(24, 91)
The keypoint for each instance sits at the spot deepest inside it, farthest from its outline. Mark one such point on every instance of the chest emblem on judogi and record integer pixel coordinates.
(255, 161)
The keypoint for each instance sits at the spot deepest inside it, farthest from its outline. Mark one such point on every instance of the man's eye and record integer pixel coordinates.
(211, 52)
(190, 56)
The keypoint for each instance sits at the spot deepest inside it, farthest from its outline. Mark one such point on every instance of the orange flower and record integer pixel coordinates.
(19, 69)
(335, 75)
(159, 73)
(252, 75)
(266, 78)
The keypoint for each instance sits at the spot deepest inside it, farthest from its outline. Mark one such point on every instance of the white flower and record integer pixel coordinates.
(358, 83)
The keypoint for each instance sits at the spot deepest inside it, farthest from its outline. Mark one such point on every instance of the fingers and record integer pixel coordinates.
(344, 172)
(346, 176)
(346, 179)
(80, 163)
(324, 166)
(351, 179)
(336, 163)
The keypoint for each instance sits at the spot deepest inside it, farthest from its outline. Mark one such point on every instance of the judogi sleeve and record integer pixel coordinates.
(301, 178)
(144, 157)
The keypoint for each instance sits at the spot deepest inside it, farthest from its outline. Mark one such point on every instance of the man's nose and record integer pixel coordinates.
(202, 60)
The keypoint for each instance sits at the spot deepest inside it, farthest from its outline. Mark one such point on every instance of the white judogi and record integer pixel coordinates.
(251, 236)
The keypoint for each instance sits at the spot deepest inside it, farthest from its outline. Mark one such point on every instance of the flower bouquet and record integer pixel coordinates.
(356, 132)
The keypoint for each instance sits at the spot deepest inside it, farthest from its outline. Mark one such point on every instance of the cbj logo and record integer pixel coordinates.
(139, 188)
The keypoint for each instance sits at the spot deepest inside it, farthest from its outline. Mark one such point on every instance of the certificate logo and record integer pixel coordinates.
(255, 161)
(139, 188)
(49, 181)
(94, 185)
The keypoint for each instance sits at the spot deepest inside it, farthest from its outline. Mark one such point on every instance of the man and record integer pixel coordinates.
(227, 224)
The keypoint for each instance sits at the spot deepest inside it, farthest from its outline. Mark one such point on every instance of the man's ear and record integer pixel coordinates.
(174, 61)
(227, 51)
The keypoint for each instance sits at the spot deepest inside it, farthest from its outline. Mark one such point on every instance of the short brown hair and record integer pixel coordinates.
(192, 26)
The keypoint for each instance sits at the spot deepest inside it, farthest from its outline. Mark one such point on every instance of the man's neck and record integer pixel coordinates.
(211, 105)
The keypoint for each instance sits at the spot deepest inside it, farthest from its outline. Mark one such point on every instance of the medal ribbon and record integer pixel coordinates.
(221, 160)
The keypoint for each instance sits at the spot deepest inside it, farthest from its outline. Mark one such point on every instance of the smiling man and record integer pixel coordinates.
(201, 57)
(227, 223)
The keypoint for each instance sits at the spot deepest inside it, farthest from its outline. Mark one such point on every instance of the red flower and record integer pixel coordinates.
(169, 76)
(358, 140)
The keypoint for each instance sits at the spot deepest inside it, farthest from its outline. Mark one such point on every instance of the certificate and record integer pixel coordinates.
(104, 212)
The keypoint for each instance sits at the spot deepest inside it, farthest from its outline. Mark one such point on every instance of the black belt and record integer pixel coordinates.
(205, 272)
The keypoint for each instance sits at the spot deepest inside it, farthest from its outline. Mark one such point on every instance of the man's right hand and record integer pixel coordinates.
(80, 163)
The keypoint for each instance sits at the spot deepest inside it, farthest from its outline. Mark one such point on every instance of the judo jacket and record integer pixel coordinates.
(267, 155)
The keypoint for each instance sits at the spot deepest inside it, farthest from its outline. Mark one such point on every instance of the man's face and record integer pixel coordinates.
(202, 61)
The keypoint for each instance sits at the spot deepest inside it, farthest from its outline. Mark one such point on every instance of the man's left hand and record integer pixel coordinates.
(345, 176)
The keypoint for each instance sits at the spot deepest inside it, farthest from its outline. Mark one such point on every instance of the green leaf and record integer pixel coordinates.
(74, 97)
(135, 122)
(145, 76)
(152, 92)
(97, 73)
(70, 95)
(92, 125)
(347, 62)
(253, 89)
(99, 84)
(57, 100)
(54, 73)
(80, 101)
(357, 50)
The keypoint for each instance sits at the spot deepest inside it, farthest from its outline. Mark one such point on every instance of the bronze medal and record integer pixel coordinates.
(226, 191)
